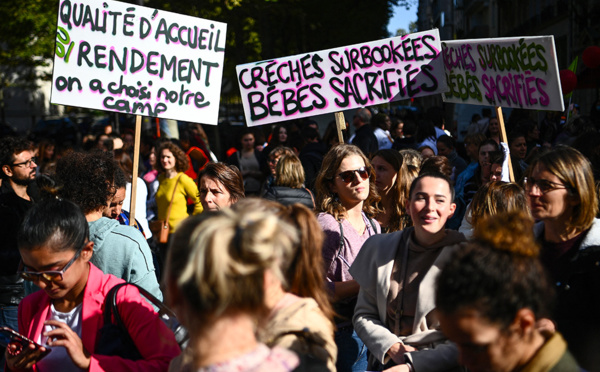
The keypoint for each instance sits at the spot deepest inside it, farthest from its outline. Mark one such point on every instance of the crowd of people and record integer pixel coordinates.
(399, 250)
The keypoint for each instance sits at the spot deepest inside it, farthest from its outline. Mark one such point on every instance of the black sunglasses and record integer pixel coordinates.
(348, 176)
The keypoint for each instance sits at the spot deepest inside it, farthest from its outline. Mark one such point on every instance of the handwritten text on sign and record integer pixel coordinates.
(342, 78)
(506, 72)
(132, 59)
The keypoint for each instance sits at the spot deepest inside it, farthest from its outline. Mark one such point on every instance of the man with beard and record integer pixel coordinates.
(17, 194)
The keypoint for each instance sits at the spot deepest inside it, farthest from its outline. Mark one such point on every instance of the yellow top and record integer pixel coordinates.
(186, 189)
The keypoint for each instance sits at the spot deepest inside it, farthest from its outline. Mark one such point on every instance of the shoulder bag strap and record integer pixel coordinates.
(112, 295)
(372, 225)
(341, 239)
(172, 198)
(311, 197)
(110, 306)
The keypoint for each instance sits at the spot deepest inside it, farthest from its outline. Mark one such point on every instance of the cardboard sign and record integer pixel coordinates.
(131, 59)
(506, 72)
(343, 78)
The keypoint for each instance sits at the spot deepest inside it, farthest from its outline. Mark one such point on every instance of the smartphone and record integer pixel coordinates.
(8, 335)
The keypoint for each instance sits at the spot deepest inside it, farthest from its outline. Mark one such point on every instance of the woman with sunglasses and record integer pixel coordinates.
(67, 314)
(562, 196)
(395, 312)
(346, 196)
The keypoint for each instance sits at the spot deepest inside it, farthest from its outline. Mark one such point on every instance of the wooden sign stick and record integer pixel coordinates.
(136, 160)
(503, 138)
(340, 123)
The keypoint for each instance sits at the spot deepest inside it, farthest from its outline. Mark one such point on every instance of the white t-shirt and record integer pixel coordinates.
(140, 204)
(58, 359)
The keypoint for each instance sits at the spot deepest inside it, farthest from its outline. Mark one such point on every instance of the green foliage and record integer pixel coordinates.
(401, 32)
(27, 32)
(413, 27)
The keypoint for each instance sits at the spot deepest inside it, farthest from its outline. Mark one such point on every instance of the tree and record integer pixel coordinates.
(27, 31)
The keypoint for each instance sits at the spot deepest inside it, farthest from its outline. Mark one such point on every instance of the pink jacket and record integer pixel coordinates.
(153, 339)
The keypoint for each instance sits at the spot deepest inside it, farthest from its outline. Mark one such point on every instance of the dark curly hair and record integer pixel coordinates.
(9, 147)
(87, 179)
(497, 273)
(181, 161)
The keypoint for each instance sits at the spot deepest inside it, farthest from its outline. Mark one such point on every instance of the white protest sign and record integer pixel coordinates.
(342, 78)
(518, 72)
(131, 59)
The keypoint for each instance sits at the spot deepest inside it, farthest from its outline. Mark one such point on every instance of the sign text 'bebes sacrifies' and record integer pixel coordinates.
(506, 72)
(343, 78)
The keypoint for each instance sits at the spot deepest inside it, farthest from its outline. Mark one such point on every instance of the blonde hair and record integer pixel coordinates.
(289, 172)
(304, 270)
(217, 262)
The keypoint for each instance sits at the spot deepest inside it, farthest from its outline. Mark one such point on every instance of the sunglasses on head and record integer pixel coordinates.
(348, 176)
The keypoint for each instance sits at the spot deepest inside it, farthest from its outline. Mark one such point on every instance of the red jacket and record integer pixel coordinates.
(153, 339)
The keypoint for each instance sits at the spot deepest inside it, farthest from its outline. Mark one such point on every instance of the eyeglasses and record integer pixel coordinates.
(348, 176)
(27, 163)
(543, 185)
(50, 276)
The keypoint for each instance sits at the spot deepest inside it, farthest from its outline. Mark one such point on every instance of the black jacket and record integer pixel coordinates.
(12, 213)
(311, 157)
(365, 139)
(289, 196)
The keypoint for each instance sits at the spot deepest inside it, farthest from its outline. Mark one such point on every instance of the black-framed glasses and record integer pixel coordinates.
(51, 275)
(348, 176)
(27, 163)
(543, 185)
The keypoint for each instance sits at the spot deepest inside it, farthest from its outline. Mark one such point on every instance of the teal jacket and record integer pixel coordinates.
(123, 252)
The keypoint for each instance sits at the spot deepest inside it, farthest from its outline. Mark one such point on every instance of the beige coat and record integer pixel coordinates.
(303, 328)
(372, 269)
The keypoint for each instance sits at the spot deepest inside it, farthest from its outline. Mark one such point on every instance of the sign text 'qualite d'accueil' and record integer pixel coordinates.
(505, 72)
(342, 78)
(132, 59)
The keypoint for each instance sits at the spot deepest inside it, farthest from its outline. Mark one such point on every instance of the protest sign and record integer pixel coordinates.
(342, 78)
(132, 59)
(506, 72)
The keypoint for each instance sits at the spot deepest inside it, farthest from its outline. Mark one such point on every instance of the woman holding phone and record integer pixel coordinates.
(67, 314)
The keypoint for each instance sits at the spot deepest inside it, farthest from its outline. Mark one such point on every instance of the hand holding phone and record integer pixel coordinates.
(21, 353)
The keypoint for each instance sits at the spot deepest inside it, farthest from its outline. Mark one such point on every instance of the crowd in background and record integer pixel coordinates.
(401, 249)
